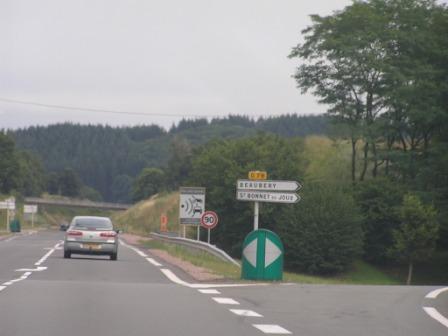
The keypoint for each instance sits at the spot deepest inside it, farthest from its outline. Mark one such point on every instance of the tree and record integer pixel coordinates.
(69, 183)
(322, 234)
(149, 182)
(377, 64)
(378, 200)
(416, 237)
(9, 165)
(218, 165)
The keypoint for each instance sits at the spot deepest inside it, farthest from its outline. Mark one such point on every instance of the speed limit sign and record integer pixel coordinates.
(209, 219)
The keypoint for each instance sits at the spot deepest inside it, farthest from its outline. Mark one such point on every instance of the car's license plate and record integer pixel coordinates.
(92, 246)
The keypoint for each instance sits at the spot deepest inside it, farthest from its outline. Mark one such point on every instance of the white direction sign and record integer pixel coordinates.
(31, 209)
(8, 205)
(268, 185)
(265, 196)
(191, 205)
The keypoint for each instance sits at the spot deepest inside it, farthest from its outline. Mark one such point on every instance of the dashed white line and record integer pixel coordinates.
(436, 315)
(2, 288)
(244, 312)
(152, 261)
(435, 293)
(272, 329)
(227, 301)
(38, 269)
(209, 291)
(41, 260)
(7, 283)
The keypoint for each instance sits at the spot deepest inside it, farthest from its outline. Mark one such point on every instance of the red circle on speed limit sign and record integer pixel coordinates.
(209, 219)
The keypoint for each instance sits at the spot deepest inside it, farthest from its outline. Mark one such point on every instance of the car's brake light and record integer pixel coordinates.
(74, 233)
(108, 234)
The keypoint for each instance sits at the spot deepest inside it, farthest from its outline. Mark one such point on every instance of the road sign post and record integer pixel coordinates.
(191, 207)
(209, 220)
(262, 256)
(30, 209)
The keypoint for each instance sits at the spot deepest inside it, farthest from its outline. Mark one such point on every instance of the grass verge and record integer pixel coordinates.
(360, 274)
(197, 258)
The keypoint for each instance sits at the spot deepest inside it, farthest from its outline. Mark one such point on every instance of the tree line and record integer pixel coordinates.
(108, 159)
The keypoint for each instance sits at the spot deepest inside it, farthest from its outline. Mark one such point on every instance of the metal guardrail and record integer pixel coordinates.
(77, 203)
(195, 244)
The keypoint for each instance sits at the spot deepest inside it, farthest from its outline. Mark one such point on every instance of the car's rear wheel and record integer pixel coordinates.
(67, 254)
(113, 256)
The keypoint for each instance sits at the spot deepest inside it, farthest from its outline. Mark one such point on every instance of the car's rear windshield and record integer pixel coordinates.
(94, 224)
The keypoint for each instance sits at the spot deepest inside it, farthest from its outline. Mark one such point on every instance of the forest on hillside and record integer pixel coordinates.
(108, 159)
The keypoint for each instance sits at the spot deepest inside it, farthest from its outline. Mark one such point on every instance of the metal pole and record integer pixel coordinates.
(208, 236)
(32, 220)
(256, 211)
(7, 220)
(198, 232)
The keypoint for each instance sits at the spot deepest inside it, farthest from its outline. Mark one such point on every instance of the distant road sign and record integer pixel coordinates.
(268, 185)
(258, 175)
(265, 196)
(191, 205)
(31, 209)
(8, 205)
(209, 220)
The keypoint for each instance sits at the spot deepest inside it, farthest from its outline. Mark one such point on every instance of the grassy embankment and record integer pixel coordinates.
(144, 217)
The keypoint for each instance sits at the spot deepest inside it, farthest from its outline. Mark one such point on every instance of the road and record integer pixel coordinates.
(140, 296)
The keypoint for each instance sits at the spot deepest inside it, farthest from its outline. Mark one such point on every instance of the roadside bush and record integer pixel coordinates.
(322, 234)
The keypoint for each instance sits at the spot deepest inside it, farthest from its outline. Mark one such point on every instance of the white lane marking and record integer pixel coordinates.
(2, 288)
(436, 292)
(15, 280)
(244, 312)
(141, 253)
(152, 261)
(209, 291)
(39, 269)
(272, 329)
(171, 276)
(41, 260)
(227, 301)
(7, 283)
(26, 273)
(436, 315)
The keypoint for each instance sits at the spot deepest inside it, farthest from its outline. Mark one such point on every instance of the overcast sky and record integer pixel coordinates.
(167, 59)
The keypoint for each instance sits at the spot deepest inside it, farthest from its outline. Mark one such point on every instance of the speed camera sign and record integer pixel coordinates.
(209, 219)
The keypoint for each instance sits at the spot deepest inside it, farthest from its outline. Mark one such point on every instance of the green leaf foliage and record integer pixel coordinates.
(415, 238)
(322, 234)
(219, 164)
(149, 182)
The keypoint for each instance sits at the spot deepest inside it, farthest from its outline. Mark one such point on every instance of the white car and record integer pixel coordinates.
(91, 235)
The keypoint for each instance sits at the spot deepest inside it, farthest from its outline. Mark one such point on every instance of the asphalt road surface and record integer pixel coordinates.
(43, 294)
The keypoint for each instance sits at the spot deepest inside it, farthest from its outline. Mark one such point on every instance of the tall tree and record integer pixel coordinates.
(416, 237)
(9, 165)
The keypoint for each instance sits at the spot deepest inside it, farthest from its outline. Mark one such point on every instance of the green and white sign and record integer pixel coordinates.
(262, 256)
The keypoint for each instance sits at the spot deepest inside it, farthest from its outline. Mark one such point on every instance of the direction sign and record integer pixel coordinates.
(268, 185)
(191, 205)
(7, 205)
(265, 196)
(31, 209)
(209, 219)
